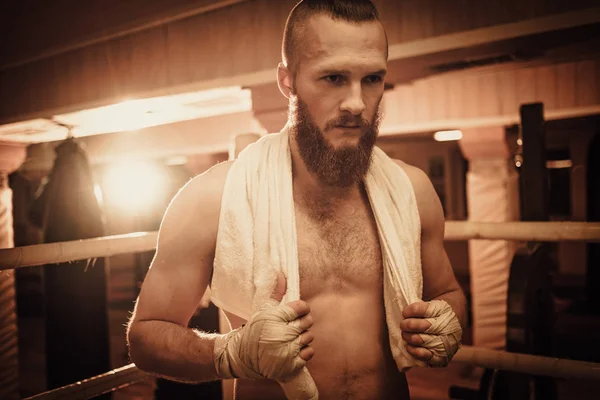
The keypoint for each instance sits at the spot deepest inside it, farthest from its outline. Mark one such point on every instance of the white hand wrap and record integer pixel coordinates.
(444, 335)
(268, 346)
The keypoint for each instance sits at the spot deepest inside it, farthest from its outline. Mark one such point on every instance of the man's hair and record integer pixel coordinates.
(353, 11)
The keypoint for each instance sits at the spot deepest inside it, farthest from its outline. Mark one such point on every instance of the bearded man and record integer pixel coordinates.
(333, 70)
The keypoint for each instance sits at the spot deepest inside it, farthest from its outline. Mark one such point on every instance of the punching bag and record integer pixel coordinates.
(75, 293)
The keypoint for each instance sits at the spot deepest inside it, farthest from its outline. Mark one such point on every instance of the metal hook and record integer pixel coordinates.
(67, 126)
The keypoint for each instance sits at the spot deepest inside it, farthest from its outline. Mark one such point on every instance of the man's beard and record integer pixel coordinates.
(337, 167)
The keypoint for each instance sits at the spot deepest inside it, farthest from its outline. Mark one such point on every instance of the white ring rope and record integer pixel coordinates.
(528, 364)
(523, 231)
(96, 385)
(61, 252)
(55, 253)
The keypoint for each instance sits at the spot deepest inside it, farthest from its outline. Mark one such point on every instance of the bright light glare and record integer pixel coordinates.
(558, 164)
(98, 194)
(445, 136)
(135, 114)
(134, 186)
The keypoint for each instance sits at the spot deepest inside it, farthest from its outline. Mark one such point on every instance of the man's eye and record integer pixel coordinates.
(373, 79)
(335, 79)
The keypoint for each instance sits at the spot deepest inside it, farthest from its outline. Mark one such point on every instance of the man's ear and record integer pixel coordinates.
(284, 80)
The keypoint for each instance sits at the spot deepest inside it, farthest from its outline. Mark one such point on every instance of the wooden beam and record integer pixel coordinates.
(496, 33)
(479, 122)
(417, 51)
(119, 32)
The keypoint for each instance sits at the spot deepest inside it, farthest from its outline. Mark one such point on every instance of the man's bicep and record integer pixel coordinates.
(182, 267)
(438, 275)
(174, 284)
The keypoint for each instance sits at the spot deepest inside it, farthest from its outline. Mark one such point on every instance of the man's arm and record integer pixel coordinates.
(159, 340)
(439, 281)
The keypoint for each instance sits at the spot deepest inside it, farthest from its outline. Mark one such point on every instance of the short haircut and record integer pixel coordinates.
(353, 11)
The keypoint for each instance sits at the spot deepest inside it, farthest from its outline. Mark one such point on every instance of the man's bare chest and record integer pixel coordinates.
(338, 253)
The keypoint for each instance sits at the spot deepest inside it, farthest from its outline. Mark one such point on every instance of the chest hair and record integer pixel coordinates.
(339, 250)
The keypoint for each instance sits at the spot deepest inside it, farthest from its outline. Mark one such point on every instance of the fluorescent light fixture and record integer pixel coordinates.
(445, 136)
(176, 160)
(98, 194)
(130, 115)
(558, 164)
(26, 131)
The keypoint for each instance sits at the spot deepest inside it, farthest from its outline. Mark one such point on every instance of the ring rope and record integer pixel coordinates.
(523, 231)
(97, 385)
(476, 356)
(528, 363)
(56, 253)
(61, 252)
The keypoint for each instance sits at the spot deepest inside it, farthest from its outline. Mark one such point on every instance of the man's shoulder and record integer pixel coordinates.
(419, 179)
(215, 175)
(199, 200)
(425, 194)
(207, 186)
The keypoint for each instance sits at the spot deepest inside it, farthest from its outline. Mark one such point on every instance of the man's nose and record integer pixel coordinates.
(353, 103)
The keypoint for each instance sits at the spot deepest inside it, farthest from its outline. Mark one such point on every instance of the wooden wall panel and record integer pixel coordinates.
(545, 85)
(525, 86)
(565, 79)
(495, 93)
(149, 63)
(200, 47)
(451, 16)
(471, 100)
(484, 13)
(407, 20)
(406, 111)
(118, 55)
(507, 91)
(422, 99)
(30, 27)
(40, 98)
(240, 39)
(586, 84)
(439, 100)
(489, 102)
(455, 98)
(181, 58)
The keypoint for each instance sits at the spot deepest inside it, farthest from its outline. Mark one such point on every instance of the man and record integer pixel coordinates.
(333, 71)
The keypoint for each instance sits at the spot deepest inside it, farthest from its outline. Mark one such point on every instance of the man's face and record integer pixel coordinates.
(337, 89)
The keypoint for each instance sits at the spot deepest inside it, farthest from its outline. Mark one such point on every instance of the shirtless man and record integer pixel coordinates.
(333, 71)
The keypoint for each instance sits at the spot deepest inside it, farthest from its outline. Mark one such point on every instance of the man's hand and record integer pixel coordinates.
(303, 321)
(431, 331)
(412, 326)
(273, 344)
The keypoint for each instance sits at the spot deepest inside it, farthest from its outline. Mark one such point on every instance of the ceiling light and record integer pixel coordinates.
(445, 136)
(130, 115)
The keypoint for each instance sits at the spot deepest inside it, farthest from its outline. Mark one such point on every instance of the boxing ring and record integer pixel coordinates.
(55, 253)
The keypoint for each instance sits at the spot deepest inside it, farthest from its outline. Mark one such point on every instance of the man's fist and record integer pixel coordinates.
(272, 344)
(431, 331)
(412, 326)
(303, 320)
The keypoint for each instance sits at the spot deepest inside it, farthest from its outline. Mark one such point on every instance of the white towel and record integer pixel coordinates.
(257, 235)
